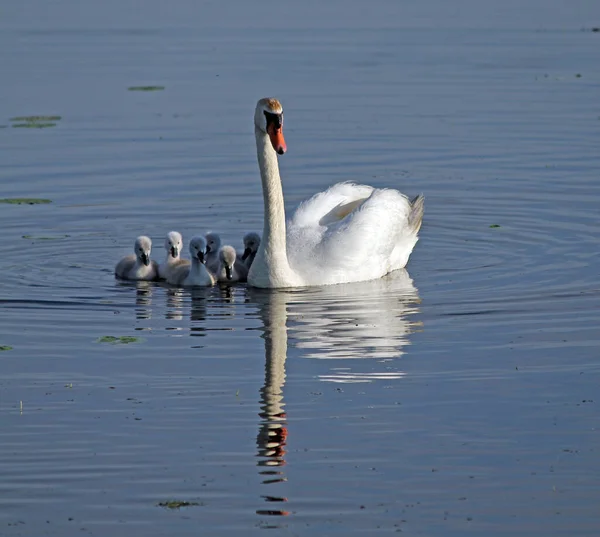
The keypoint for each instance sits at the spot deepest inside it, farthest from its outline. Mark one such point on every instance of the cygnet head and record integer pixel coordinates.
(174, 243)
(213, 242)
(227, 259)
(197, 248)
(268, 118)
(143, 247)
(251, 244)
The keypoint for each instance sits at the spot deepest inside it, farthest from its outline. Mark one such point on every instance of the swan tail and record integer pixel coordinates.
(415, 217)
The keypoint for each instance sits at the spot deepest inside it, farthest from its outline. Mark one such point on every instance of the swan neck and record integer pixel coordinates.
(273, 241)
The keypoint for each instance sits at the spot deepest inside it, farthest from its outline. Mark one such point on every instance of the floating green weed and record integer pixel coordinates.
(5, 348)
(24, 201)
(121, 340)
(34, 238)
(495, 225)
(33, 125)
(176, 504)
(146, 88)
(36, 119)
(35, 122)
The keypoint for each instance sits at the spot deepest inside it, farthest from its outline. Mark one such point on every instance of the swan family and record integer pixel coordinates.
(347, 233)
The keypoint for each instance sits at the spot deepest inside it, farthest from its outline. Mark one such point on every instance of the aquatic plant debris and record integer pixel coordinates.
(35, 122)
(33, 125)
(36, 118)
(120, 340)
(5, 348)
(34, 238)
(25, 201)
(176, 504)
(146, 88)
(495, 225)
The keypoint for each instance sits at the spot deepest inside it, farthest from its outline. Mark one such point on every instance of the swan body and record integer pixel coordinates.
(192, 273)
(173, 245)
(230, 269)
(347, 233)
(138, 266)
(251, 244)
(213, 245)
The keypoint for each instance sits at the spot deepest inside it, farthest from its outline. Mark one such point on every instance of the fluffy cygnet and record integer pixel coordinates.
(138, 266)
(230, 268)
(251, 244)
(213, 245)
(194, 273)
(173, 245)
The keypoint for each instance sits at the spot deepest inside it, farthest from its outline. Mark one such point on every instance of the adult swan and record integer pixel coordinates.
(348, 233)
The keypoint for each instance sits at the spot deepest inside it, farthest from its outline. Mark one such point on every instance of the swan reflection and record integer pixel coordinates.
(143, 300)
(174, 310)
(359, 320)
(353, 321)
(272, 434)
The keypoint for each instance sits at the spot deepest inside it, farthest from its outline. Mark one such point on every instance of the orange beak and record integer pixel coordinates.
(277, 139)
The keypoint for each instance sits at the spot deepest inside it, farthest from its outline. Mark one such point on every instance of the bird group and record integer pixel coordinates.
(209, 262)
(348, 233)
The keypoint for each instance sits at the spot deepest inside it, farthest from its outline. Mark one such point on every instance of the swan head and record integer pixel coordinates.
(143, 247)
(174, 244)
(197, 248)
(227, 259)
(213, 242)
(268, 118)
(251, 244)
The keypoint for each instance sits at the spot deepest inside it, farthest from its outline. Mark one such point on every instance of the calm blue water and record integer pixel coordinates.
(458, 398)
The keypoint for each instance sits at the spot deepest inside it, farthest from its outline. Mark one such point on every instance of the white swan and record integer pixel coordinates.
(347, 233)
(194, 273)
(230, 268)
(213, 245)
(138, 266)
(251, 244)
(173, 245)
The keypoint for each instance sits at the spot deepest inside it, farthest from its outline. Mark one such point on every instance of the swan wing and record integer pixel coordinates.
(331, 205)
(356, 239)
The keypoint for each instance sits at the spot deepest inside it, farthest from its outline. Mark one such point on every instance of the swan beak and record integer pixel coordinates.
(228, 273)
(201, 256)
(145, 259)
(207, 249)
(174, 251)
(277, 139)
(247, 252)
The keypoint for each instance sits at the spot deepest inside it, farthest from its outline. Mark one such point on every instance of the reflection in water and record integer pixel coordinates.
(198, 311)
(350, 321)
(143, 300)
(272, 434)
(359, 320)
(174, 310)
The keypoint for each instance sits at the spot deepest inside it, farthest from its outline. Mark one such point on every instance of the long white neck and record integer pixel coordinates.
(271, 267)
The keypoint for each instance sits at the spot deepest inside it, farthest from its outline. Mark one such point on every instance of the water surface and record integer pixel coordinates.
(458, 398)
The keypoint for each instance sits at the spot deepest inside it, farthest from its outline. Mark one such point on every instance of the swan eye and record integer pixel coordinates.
(274, 119)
